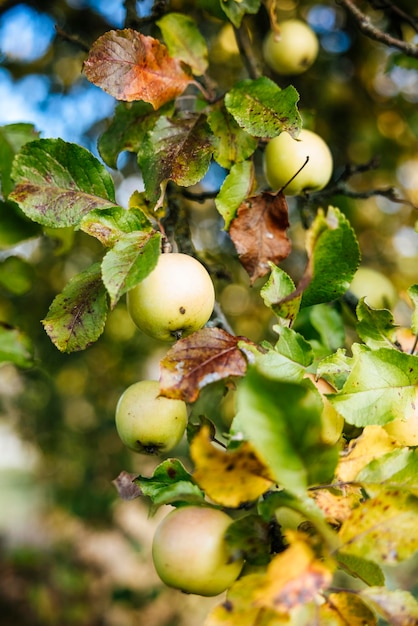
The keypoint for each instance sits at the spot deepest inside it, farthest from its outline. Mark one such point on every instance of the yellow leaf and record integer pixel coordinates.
(294, 577)
(228, 478)
(346, 608)
(372, 443)
(337, 507)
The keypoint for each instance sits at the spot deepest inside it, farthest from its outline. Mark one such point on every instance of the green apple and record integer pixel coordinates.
(293, 49)
(174, 300)
(284, 156)
(376, 288)
(147, 422)
(190, 553)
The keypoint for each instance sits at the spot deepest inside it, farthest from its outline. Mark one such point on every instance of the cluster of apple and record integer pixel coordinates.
(174, 300)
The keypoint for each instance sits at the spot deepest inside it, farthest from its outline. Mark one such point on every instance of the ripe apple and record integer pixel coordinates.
(174, 300)
(190, 554)
(375, 287)
(293, 49)
(147, 422)
(284, 156)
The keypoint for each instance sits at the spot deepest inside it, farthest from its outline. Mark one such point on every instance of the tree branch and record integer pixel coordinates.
(365, 25)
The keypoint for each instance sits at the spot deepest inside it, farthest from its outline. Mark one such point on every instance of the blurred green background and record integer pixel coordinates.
(71, 552)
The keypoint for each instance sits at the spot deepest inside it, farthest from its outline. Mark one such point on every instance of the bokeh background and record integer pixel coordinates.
(71, 552)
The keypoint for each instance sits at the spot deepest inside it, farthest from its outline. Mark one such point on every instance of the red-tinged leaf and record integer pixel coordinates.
(204, 357)
(77, 316)
(259, 233)
(131, 66)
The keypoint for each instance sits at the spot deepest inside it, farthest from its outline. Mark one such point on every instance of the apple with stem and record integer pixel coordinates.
(291, 49)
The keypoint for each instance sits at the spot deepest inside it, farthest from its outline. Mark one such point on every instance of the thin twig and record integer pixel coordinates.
(72, 38)
(365, 25)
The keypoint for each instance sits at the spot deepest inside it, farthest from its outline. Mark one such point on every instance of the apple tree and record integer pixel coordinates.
(296, 488)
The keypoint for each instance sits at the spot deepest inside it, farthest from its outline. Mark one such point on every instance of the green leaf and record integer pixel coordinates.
(128, 128)
(274, 292)
(379, 388)
(249, 538)
(235, 188)
(376, 327)
(15, 346)
(382, 529)
(367, 571)
(184, 41)
(16, 275)
(59, 182)
(413, 294)
(12, 138)
(236, 9)
(334, 256)
(396, 468)
(130, 260)
(398, 608)
(109, 225)
(335, 368)
(282, 420)
(262, 109)
(176, 149)
(14, 226)
(329, 325)
(170, 483)
(343, 608)
(231, 143)
(291, 356)
(77, 316)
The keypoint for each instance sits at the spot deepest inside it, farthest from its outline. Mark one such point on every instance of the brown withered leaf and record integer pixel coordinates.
(130, 66)
(229, 478)
(259, 233)
(206, 356)
(126, 487)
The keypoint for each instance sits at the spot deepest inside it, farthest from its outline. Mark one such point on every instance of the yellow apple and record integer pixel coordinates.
(174, 300)
(190, 554)
(293, 49)
(377, 289)
(147, 422)
(284, 156)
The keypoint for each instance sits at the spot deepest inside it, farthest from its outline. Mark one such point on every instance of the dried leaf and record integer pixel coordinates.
(229, 478)
(131, 66)
(204, 357)
(294, 577)
(126, 487)
(259, 233)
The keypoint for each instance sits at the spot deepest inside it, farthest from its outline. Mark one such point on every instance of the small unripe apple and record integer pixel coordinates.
(293, 49)
(284, 156)
(174, 300)
(376, 288)
(190, 553)
(147, 422)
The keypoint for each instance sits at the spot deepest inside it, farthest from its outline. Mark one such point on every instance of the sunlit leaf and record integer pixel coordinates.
(15, 346)
(262, 109)
(274, 292)
(109, 225)
(368, 571)
(57, 183)
(259, 233)
(282, 420)
(177, 149)
(379, 388)
(236, 187)
(413, 294)
(399, 467)
(129, 261)
(383, 528)
(131, 66)
(232, 144)
(236, 9)
(184, 41)
(376, 327)
(77, 316)
(170, 483)
(202, 358)
(289, 359)
(343, 608)
(229, 478)
(398, 608)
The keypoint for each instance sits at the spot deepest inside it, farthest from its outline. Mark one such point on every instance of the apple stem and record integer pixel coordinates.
(281, 190)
